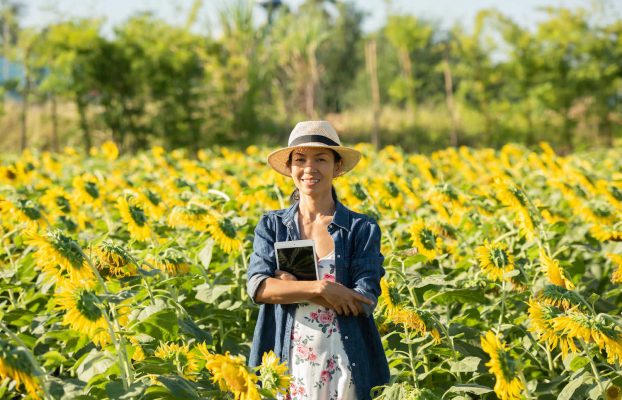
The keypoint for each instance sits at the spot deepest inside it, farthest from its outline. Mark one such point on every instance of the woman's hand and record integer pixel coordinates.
(343, 300)
(284, 276)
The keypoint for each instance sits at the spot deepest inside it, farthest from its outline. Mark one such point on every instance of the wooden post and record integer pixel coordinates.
(372, 70)
(449, 100)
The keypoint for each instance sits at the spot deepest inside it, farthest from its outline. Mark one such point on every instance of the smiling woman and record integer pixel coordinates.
(323, 329)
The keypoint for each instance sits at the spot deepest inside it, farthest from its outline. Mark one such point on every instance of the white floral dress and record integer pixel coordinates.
(318, 362)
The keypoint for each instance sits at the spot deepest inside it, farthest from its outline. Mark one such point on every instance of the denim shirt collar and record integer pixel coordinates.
(340, 218)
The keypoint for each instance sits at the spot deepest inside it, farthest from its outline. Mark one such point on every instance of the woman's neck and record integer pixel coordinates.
(311, 209)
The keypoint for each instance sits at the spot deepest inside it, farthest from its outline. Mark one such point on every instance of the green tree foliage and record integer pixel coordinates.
(154, 82)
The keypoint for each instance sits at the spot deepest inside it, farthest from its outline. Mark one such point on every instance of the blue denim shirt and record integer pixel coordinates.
(358, 264)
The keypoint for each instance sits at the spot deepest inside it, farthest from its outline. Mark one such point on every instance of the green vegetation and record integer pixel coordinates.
(151, 82)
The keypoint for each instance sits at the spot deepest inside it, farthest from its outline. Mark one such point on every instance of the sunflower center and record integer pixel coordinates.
(153, 198)
(28, 208)
(427, 239)
(68, 249)
(91, 189)
(86, 303)
(14, 357)
(68, 222)
(392, 189)
(226, 226)
(617, 193)
(63, 204)
(601, 209)
(507, 365)
(499, 257)
(138, 215)
(358, 191)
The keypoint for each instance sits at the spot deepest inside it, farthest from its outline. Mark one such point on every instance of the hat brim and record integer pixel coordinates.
(278, 158)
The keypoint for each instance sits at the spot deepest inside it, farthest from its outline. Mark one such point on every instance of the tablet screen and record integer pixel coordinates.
(299, 261)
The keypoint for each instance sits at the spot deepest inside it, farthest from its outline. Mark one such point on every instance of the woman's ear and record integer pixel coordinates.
(338, 167)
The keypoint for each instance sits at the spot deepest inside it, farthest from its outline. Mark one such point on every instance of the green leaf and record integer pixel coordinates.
(568, 391)
(53, 359)
(469, 388)
(468, 364)
(457, 295)
(178, 387)
(578, 362)
(190, 328)
(161, 325)
(205, 255)
(432, 280)
(95, 363)
(208, 294)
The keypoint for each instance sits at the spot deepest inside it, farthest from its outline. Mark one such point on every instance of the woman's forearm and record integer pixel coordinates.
(278, 291)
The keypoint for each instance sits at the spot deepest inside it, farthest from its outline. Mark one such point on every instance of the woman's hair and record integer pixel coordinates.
(295, 196)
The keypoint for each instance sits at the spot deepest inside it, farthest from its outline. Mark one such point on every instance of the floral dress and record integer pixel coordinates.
(318, 363)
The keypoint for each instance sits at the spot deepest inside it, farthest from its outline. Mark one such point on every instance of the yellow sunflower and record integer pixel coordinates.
(87, 190)
(15, 365)
(616, 276)
(21, 210)
(606, 233)
(83, 310)
(56, 249)
(187, 362)
(557, 275)
(495, 260)
(112, 260)
(194, 215)
(232, 375)
(171, 261)
(133, 214)
(273, 375)
(223, 232)
(420, 321)
(508, 385)
(426, 239)
(541, 316)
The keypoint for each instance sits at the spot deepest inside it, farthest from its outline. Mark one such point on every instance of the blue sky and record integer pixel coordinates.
(43, 12)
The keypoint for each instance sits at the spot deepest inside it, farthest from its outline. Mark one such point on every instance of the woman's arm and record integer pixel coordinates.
(284, 288)
(366, 267)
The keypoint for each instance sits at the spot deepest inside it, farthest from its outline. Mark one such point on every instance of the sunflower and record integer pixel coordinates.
(113, 260)
(515, 198)
(557, 275)
(390, 297)
(15, 365)
(194, 215)
(87, 190)
(224, 233)
(22, 210)
(187, 362)
(133, 214)
(541, 316)
(559, 297)
(616, 277)
(83, 310)
(56, 249)
(508, 385)
(138, 354)
(110, 150)
(420, 321)
(605, 233)
(232, 375)
(495, 260)
(426, 239)
(273, 376)
(171, 261)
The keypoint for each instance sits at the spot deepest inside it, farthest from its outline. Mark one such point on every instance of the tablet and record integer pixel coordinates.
(298, 258)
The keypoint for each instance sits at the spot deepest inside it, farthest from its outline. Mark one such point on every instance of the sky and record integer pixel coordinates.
(526, 12)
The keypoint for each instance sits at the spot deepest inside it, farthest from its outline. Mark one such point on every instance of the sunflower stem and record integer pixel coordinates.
(124, 363)
(594, 369)
(502, 305)
(411, 358)
(521, 375)
(40, 372)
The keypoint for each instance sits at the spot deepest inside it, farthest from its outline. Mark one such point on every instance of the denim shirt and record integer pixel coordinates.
(358, 264)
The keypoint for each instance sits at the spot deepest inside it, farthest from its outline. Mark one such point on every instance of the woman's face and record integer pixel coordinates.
(313, 170)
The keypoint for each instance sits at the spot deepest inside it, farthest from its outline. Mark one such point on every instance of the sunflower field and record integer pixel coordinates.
(125, 277)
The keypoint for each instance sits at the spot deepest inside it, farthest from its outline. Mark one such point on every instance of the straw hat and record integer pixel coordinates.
(313, 134)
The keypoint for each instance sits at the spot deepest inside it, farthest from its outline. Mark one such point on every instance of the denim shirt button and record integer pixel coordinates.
(354, 364)
(346, 338)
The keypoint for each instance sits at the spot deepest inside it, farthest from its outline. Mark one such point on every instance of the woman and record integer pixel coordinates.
(329, 339)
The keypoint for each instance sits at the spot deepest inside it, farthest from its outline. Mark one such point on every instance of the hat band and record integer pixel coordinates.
(313, 138)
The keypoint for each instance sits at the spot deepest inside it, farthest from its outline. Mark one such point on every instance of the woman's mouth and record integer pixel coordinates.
(310, 181)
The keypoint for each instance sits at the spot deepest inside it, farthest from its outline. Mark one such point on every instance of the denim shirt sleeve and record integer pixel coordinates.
(367, 263)
(262, 262)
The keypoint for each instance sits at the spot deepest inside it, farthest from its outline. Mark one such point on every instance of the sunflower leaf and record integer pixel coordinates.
(469, 388)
